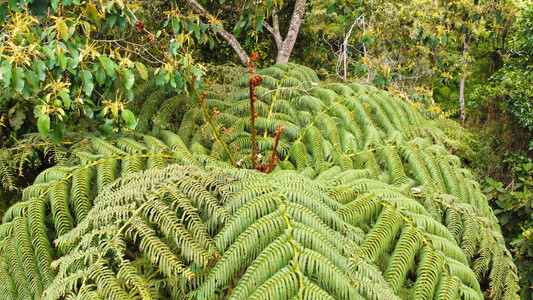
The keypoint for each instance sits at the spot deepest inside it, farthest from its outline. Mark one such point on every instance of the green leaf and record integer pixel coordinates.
(17, 78)
(40, 69)
(38, 8)
(129, 79)
(43, 124)
(57, 134)
(129, 118)
(49, 52)
(211, 42)
(176, 25)
(66, 98)
(100, 76)
(160, 80)
(108, 64)
(331, 8)
(88, 84)
(62, 59)
(258, 23)
(62, 28)
(6, 73)
(32, 78)
(54, 4)
(106, 129)
(142, 70)
(380, 81)
(92, 12)
(196, 29)
(13, 5)
(88, 111)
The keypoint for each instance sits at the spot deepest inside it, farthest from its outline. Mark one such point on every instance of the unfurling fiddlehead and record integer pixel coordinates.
(254, 82)
(274, 157)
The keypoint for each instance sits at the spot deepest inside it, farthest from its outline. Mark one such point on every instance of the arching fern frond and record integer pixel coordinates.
(365, 203)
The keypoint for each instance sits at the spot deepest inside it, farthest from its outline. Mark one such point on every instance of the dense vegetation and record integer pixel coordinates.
(137, 161)
(343, 221)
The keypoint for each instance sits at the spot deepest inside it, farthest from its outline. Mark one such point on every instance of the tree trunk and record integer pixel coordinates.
(462, 97)
(463, 77)
(284, 52)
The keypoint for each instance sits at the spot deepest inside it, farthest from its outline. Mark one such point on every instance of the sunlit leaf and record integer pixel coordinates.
(129, 79)
(88, 83)
(17, 77)
(108, 64)
(43, 125)
(129, 118)
(142, 70)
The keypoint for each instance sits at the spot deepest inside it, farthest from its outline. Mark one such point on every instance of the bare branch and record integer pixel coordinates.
(230, 38)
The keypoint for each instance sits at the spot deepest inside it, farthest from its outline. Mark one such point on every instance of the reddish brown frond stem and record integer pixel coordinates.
(254, 82)
(273, 157)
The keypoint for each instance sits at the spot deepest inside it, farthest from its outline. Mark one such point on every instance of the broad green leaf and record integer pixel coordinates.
(6, 73)
(176, 25)
(106, 129)
(32, 78)
(62, 28)
(160, 80)
(211, 42)
(142, 70)
(62, 59)
(331, 8)
(108, 64)
(54, 4)
(17, 78)
(57, 134)
(88, 84)
(40, 69)
(88, 111)
(258, 23)
(100, 76)
(129, 79)
(38, 8)
(129, 118)
(196, 29)
(43, 124)
(13, 5)
(66, 98)
(92, 12)
(49, 52)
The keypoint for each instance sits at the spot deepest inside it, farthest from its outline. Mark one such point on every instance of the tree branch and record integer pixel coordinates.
(230, 38)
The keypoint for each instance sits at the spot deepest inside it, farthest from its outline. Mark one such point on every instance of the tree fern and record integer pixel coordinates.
(365, 203)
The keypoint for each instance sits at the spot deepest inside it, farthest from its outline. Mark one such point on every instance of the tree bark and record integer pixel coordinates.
(284, 52)
(468, 37)
(230, 38)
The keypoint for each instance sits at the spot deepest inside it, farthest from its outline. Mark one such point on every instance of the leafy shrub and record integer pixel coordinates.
(514, 209)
